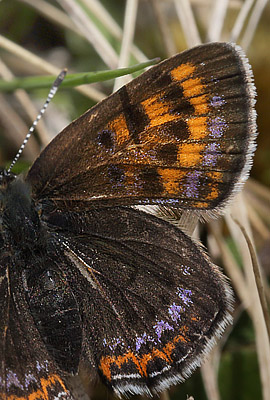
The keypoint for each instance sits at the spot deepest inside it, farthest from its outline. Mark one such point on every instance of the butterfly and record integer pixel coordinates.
(87, 278)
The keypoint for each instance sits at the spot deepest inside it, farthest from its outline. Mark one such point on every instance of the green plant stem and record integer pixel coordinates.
(71, 80)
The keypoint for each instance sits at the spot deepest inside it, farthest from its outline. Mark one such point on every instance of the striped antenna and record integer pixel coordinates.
(51, 94)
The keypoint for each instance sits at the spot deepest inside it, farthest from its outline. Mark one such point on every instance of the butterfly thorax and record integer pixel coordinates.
(19, 221)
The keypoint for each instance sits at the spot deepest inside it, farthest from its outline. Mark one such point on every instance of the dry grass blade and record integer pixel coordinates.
(233, 4)
(43, 65)
(111, 25)
(209, 375)
(230, 265)
(187, 21)
(160, 16)
(104, 17)
(128, 34)
(164, 396)
(27, 105)
(258, 189)
(257, 275)
(60, 18)
(240, 20)
(16, 129)
(258, 198)
(52, 13)
(26, 55)
(253, 23)
(91, 32)
(262, 339)
(258, 223)
(217, 19)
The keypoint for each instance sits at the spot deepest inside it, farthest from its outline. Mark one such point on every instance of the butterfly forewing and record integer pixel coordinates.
(181, 134)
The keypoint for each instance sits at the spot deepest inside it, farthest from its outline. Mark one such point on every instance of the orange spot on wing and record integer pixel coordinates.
(129, 357)
(142, 362)
(36, 395)
(193, 89)
(105, 363)
(157, 111)
(216, 177)
(171, 179)
(105, 366)
(189, 154)
(197, 128)
(182, 338)
(214, 193)
(119, 127)
(41, 393)
(168, 349)
(182, 72)
(200, 104)
(201, 205)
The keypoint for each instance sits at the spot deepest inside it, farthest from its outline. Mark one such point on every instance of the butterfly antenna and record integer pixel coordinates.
(51, 94)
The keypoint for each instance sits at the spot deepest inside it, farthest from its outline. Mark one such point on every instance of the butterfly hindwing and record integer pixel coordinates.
(150, 310)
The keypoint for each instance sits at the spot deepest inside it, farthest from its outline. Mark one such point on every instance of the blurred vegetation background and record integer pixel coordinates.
(41, 37)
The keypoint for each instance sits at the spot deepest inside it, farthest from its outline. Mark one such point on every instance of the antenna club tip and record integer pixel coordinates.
(60, 77)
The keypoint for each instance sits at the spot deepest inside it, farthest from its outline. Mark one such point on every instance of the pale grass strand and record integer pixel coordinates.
(128, 35)
(253, 23)
(59, 17)
(16, 129)
(257, 274)
(259, 189)
(230, 265)
(260, 205)
(112, 26)
(44, 66)
(234, 4)
(52, 13)
(164, 395)
(261, 209)
(160, 15)
(188, 23)
(209, 376)
(27, 104)
(90, 32)
(258, 223)
(104, 17)
(240, 20)
(262, 340)
(217, 19)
